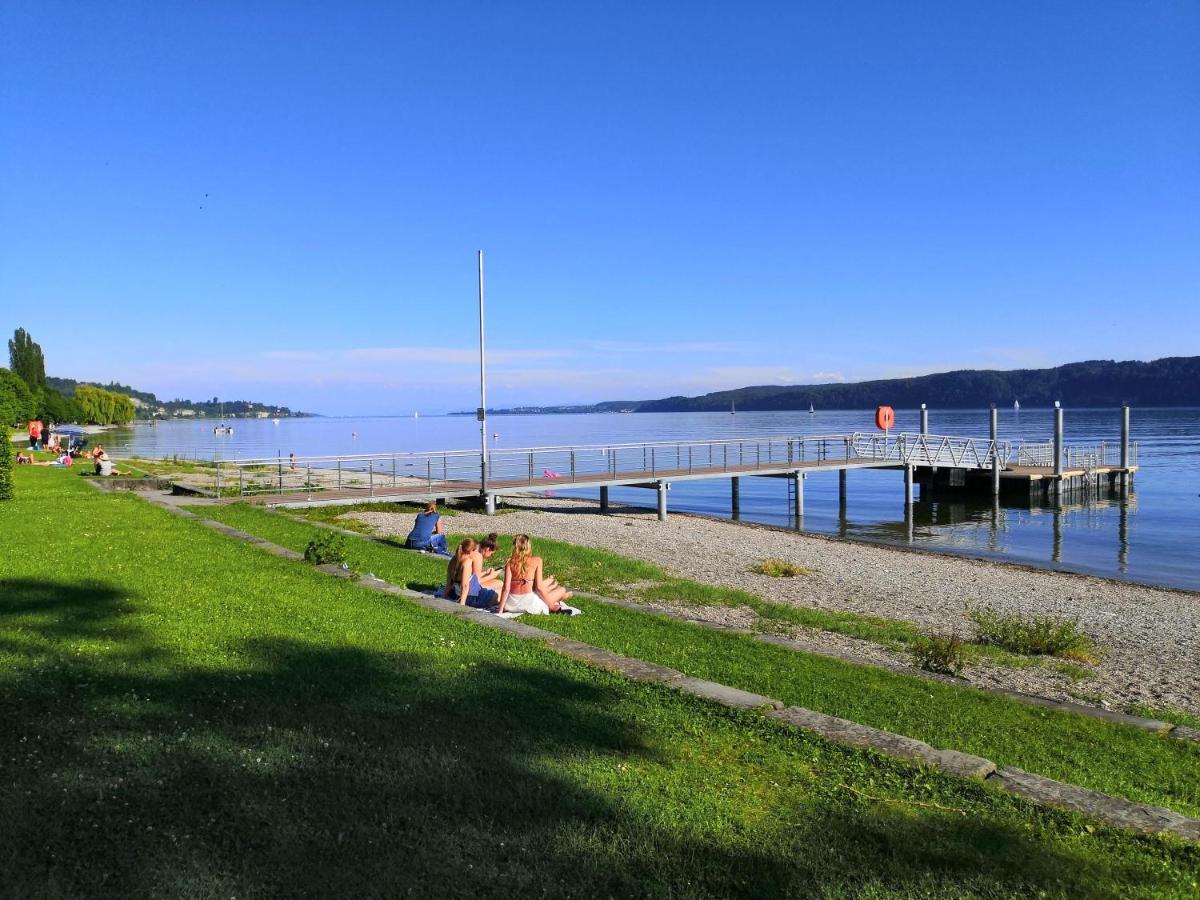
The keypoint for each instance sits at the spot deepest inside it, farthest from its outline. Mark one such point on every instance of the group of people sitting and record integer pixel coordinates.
(101, 461)
(522, 586)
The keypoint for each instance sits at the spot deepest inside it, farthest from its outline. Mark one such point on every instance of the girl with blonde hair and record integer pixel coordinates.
(526, 588)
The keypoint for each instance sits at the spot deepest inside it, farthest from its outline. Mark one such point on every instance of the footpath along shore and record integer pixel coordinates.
(1148, 637)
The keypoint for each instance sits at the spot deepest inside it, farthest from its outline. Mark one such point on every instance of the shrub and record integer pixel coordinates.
(778, 568)
(328, 549)
(6, 464)
(1036, 636)
(940, 653)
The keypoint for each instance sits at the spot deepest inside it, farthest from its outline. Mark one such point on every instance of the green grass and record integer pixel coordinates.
(1115, 759)
(186, 715)
(1166, 714)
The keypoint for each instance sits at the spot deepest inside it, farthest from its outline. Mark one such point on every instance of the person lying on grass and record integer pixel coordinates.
(525, 587)
(462, 584)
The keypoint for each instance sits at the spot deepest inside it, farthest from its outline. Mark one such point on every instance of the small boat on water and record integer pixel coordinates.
(1016, 406)
(811, 410)
(732, 408)
(221, 427)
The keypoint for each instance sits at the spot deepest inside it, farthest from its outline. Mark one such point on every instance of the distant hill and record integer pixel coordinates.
(149, 405)
(1172, 381)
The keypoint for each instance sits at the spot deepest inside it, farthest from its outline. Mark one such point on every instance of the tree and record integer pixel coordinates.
(17, 404)
(6, 464)
(25, 356)
(103, 407)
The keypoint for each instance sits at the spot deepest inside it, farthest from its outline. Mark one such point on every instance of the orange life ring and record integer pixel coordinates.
(885, 418)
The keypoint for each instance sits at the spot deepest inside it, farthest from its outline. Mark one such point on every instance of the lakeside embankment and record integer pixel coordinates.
(1147, 636)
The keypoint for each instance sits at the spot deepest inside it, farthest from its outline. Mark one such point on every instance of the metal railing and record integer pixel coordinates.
(460, 471)
(1102, 455)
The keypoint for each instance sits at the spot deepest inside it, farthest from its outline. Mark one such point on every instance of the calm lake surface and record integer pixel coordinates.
(1152, 536)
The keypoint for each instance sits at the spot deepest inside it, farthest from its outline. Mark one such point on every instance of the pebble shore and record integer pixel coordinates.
(1149, 637)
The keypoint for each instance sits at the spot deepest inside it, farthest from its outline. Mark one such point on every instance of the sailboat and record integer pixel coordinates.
(1016, 406)
(222, 428)
(416, 414)
(732, 408)
(811, 410)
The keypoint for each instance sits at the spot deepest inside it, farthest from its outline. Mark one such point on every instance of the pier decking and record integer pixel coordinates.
(936, 462)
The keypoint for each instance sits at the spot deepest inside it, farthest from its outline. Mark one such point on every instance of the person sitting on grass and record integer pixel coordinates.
(63, 460)
(24, 459)
(525, 589)
(484, 550)
(462, 584)
(428, 533)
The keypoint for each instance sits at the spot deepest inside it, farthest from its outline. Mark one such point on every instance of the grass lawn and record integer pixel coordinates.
(1116, 759)
(184, 714)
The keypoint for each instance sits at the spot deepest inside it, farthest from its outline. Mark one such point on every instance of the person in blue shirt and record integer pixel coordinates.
(428, 532)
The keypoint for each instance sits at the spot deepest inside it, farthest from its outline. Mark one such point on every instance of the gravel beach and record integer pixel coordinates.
(1149, 637)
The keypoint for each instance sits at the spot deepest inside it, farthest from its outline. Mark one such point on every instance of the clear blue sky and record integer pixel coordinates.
(282, 201)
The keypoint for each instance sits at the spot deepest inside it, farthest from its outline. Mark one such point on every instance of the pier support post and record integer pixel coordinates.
(924, 419)
(489, 504)
(604, 499)
(995, 425)
(909, 472)
(1125, 446)
(735, 497)
(995, 472)
(842, 485)
(1058, 440)
(798, 487)
(661, 489)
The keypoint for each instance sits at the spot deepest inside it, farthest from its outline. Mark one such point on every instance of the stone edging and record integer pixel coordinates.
(1114, 811)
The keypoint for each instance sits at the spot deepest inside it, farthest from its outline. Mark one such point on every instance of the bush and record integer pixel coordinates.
(778, 568)
(1036, 636)
(328, 549)
(940, 653)
(6, 464)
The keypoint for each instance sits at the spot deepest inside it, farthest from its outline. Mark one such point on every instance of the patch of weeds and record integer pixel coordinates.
(778, 568)
(1035, 636)
(1074, 671)
(939, 653)
(326, 549)
(1085, 697)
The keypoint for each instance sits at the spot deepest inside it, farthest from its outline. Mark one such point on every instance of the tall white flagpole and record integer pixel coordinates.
(482, 414)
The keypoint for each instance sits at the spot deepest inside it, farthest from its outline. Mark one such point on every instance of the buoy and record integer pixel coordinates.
(885, 418)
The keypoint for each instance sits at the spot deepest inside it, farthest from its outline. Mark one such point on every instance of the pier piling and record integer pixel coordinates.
(924, 420)
(735, 497)
(1058, 440)
(798, 489)
(842, 485)
(604, 499)
(1125, 446)
(909, 472)
(661, 490)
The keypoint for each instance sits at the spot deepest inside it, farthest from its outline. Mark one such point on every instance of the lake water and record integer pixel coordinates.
(1151, 536)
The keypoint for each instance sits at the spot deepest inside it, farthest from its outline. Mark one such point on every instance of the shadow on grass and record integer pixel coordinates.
(302, 769)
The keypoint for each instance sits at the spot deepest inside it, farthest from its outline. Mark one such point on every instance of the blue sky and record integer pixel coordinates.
(282, 201)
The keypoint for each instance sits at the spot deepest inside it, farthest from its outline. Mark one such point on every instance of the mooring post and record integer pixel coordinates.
(1124, 446)
(924, 420)
(489, 504)
(798, 487)
(735, 497)
(909, 472)
(995, 469)
(995, 427)
(604, 499)
(842, 485)
(662, 501)
(1058, 439)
